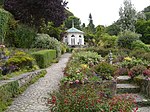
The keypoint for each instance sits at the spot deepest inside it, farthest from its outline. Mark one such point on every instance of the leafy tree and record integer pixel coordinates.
(33, 12)
(126, 38)
(113, 29)
(147, 12)
(128, 16)
(100, 30)
(70, 19)
(143, 28)
(108, 41)
(51, 30)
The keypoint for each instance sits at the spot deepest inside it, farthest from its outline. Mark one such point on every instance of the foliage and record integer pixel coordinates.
(147, 12)
(102, 51)
(19, 60)
(91, 26)
(34, 12)
(5, 18)
(139, 45)
(44, 57)
(146, 72)
(108, 41)
(51, 30)
(104, 70)
(133, 62)
(90, 97)
(7, 92)
(121, 71)
(86, 57)
(79, 67)
(113, 29)
(141, 54)
(136, 70)
(44, 41)
(126, 39)
(68, 22)
(128, 16)
(143, 28)
(21, 37)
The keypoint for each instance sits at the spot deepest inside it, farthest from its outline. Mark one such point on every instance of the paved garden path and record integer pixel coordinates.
(33, 99)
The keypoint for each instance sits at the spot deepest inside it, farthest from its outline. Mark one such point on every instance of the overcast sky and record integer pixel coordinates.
(104, 12)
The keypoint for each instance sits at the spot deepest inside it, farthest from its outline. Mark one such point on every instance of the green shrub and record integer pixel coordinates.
(105, 70)
(44, 57)
(46, 42)
(5, 18)
(108, 41)
(139, 45)
(133, 62)
(126, 39)
(141, 54)
(21, 37)
(20, 60)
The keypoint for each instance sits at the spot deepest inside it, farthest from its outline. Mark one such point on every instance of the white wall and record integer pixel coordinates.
(76, 38)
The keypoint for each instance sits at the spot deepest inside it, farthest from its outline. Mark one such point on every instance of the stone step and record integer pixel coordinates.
(140, 100)
(144, 109)
(123, 79)
(127, 88)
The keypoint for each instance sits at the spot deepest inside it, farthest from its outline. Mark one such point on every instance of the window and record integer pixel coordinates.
(80, 41)
(80, 36)
(72, 36)
(72, 41)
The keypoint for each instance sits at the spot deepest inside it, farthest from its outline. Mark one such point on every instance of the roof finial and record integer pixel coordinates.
(72, 23)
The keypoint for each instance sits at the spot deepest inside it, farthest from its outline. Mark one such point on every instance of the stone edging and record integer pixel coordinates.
(22, 79)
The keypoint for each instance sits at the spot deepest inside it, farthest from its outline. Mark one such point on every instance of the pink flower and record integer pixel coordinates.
(77, 81)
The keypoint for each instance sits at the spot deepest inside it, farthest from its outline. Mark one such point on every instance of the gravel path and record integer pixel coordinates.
(33, 99)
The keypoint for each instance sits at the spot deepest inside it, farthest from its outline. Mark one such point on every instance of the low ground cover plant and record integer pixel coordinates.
(88, 98)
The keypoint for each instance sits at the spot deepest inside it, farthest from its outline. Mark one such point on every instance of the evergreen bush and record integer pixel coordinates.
(44, 57)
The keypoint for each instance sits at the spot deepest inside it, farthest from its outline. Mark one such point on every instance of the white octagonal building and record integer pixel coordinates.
(74, 37)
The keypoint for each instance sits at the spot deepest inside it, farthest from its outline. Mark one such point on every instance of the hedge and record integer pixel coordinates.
(44, 57)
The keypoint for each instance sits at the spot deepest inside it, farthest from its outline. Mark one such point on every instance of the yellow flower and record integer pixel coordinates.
(128, 59)
(84, 66)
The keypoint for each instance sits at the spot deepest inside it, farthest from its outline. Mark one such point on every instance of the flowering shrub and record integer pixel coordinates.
(129, 63)
(136, 70)
(88, 98)
(146, 72)
(79, 66)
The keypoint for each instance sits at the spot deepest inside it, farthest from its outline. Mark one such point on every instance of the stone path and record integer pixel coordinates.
(33, 99)
(132, 90)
